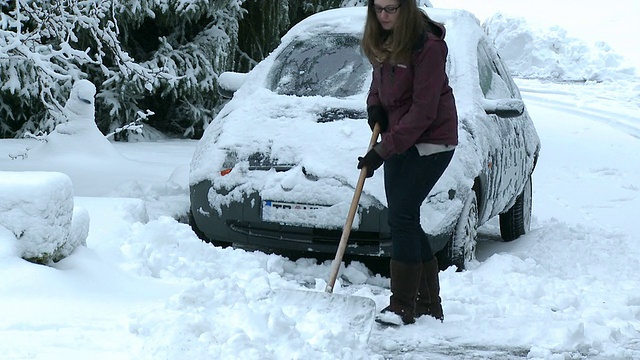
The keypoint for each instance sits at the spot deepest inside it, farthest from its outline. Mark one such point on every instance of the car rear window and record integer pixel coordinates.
(328, 65)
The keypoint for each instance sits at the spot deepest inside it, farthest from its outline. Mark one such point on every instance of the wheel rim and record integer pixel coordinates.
(526, 206)
(464, 246)
(471, 231)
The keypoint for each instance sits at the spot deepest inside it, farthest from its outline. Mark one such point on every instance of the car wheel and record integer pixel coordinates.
(517, 220)
(461, 249)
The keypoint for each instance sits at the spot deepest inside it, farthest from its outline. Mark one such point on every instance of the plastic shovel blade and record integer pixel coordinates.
(344, 316)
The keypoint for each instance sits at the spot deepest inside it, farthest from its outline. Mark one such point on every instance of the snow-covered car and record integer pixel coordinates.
(276, 169)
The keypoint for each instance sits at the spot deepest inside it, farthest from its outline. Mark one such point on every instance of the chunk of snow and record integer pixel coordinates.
(37, 207)
(81, 102)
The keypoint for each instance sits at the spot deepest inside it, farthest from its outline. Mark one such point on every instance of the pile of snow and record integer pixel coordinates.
(550, 53)
(37, 209)
(80, 129)
(78, 149)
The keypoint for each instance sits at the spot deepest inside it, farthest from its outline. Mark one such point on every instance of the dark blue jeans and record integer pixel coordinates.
(408, 179)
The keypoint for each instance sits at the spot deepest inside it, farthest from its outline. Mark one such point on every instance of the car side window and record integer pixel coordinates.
(492, 82)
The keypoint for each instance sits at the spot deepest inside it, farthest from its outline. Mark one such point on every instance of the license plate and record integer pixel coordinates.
(320, 216)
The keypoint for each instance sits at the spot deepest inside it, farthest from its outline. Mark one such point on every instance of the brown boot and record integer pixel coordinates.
(428, 301)
(405, 279)
(423, 299)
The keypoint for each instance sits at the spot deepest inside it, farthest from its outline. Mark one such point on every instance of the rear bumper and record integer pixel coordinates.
(241, 225)
(307, 240)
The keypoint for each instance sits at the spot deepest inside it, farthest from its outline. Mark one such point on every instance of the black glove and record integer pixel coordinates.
(372, 161)
(377, 114)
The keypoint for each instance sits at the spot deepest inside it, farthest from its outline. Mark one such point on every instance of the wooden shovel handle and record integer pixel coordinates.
(346, 230)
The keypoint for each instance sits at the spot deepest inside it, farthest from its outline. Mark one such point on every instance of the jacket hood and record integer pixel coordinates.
(438, 31)
(433, 31)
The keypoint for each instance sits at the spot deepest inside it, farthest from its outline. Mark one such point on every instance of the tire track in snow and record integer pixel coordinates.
(611, 106)
(552, 100)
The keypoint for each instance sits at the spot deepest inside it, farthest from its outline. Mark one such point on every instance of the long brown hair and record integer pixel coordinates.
(394, 45)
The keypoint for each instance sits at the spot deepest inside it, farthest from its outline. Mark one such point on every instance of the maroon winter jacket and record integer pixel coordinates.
(417, 98)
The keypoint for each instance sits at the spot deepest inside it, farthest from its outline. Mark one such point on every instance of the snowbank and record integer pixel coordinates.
(550, 54)
(37, 208)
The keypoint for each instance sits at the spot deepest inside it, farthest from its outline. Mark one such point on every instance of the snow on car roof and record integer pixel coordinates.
(351, 20)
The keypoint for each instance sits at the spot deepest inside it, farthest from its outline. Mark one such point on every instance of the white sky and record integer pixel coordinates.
(145, 287)
(610, 21)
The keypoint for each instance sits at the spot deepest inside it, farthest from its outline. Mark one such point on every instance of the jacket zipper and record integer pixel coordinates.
(393, 72)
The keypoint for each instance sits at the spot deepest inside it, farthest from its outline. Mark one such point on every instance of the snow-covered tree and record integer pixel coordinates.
(191, 40)
(141, 54)
(158, 57)
(267, 20)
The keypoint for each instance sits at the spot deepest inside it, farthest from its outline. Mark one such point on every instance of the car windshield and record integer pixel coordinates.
(328, 65)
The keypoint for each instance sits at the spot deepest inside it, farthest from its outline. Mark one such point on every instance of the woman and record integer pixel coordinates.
(410, 98)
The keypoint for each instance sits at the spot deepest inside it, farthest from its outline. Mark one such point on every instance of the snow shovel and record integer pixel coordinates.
(310, 307)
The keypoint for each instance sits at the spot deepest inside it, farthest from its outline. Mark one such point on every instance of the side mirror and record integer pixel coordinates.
(229, 82)
(505, 108)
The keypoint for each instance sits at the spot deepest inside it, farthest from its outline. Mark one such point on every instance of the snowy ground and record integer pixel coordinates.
(145, 287)
(152, 290)
(569, 287)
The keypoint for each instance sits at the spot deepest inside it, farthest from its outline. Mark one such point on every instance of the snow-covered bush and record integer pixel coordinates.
(78, 134)
(37, 207)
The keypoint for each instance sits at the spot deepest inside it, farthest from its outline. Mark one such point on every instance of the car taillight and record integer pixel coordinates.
(231, 159)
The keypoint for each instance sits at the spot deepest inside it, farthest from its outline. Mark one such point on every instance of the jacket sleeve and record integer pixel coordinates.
(429, 80)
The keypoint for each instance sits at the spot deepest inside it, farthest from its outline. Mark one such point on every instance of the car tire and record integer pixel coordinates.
(517, 220)
(461, 249)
